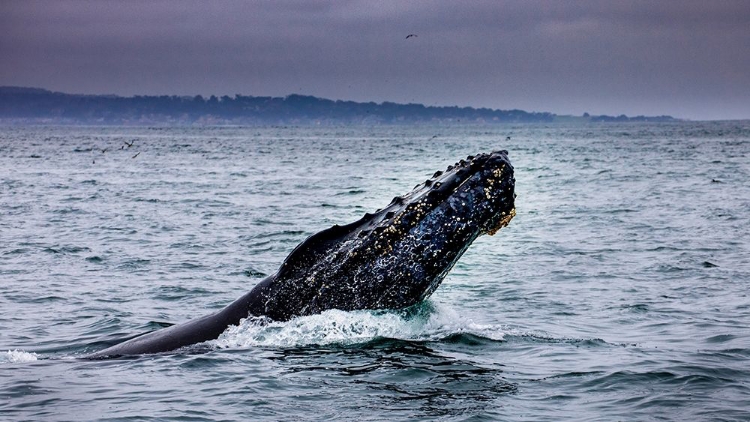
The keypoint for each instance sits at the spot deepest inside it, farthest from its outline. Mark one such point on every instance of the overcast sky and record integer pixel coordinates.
(686, 58)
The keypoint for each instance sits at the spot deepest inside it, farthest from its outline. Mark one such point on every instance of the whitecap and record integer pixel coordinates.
(18, 356)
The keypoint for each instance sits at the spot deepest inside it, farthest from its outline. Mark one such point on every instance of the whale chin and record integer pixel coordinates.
(390, 259)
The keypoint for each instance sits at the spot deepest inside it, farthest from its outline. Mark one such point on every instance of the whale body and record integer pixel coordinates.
(390, 259)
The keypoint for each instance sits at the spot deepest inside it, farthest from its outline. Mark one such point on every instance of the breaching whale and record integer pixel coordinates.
(391, 259)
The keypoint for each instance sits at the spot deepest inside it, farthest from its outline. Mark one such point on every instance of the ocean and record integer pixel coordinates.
(618, 292)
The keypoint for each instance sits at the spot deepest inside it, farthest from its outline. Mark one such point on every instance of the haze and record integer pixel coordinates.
(689, 59)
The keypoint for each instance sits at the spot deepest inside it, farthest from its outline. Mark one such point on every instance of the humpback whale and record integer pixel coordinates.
(390, 259)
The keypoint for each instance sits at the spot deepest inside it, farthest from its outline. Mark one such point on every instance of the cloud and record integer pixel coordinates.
(687, 58)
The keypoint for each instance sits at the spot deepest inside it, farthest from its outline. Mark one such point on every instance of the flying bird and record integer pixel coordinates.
(139, 153)
(129, 144)
(410, 35)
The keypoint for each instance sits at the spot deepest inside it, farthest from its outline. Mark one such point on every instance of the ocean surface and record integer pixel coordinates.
(619, 291)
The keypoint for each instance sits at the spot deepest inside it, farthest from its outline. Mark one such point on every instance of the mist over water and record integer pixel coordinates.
(618, 292)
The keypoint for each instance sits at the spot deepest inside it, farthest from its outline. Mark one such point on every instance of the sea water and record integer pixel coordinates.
(618, 292)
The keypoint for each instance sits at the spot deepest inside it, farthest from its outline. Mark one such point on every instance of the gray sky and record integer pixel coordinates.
(685, 58)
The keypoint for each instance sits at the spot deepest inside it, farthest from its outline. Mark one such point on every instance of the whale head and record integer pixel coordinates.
(397, 256)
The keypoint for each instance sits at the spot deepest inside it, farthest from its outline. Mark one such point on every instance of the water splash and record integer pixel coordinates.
(18, 356)
(424, 322)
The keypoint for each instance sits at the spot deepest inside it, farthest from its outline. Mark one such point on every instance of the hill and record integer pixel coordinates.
(35, 105)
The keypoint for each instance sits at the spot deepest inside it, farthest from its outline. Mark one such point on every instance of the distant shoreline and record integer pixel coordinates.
(36, 106)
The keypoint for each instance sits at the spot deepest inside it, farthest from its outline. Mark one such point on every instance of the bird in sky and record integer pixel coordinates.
(410, 35)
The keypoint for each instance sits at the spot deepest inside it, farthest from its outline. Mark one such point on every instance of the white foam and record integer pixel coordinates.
(17, 356)
(340, 327)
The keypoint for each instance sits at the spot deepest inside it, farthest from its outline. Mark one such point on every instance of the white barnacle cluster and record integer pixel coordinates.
(383, 245)
(419, 207)
(497, 175)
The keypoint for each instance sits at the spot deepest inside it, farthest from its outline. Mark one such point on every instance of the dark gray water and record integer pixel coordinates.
(619, 292)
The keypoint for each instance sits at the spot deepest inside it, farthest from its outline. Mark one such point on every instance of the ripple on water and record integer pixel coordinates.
(66, 249)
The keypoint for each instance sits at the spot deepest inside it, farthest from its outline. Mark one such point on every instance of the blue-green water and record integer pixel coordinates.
(619, 292)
